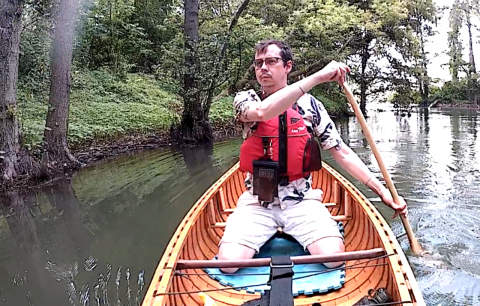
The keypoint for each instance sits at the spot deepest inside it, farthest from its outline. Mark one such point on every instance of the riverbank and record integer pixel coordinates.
(457, 105)
(129, 144)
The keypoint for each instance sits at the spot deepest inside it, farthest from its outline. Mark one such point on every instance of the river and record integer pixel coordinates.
(96, 240)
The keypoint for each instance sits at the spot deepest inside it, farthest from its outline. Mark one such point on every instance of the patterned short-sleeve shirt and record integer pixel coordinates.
(316, 117)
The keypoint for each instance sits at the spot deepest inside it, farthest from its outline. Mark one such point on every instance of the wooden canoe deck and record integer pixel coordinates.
(200, 231)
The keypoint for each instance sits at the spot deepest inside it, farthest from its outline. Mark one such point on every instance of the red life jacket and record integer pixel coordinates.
(299, 141)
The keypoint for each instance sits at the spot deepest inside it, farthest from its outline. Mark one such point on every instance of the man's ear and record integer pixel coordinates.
(288, 67)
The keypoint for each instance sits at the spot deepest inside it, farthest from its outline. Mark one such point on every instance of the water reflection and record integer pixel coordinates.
(96, 240)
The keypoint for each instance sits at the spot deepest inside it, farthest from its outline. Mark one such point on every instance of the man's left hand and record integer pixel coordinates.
(400, 208)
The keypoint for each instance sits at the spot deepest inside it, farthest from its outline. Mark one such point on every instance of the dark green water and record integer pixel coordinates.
(97, 240)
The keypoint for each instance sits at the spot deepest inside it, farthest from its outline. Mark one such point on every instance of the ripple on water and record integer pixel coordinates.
(95, 292)
(450, 287)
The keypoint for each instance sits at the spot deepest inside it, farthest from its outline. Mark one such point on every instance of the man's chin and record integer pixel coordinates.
(266, 83)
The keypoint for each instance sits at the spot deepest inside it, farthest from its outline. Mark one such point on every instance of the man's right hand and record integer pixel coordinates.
(334, 71)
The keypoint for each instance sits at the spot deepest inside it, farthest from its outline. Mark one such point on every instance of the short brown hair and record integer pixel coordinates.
(285, 51)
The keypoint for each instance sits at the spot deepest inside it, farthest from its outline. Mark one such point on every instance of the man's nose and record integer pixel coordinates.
(264, 65)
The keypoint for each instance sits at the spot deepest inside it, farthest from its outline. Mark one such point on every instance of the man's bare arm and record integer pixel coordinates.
(280, 101)
(350, 161)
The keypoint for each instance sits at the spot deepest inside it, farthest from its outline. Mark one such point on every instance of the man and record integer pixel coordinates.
(296, 207)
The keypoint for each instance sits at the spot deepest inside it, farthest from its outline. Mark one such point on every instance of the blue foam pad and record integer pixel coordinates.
(316, 283)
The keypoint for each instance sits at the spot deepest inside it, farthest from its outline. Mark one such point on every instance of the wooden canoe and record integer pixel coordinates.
(200, 231)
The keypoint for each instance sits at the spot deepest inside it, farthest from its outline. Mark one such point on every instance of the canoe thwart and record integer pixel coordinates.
(260, 262)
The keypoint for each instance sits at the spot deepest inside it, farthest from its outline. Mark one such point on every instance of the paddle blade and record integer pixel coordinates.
(207, 301)
(414, 244)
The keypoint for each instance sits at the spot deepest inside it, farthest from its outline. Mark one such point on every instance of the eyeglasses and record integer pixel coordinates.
(270, 61)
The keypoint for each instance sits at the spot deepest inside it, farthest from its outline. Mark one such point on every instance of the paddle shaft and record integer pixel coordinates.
(411, 237)
(260, 262)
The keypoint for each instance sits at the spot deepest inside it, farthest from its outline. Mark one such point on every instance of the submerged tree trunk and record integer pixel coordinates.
(56, 126)
(13, 160)
(194, 126)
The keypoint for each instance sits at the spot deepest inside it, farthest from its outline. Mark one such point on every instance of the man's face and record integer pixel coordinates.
(273, 72)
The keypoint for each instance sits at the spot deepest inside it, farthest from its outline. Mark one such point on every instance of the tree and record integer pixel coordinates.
(206, 68)
(467, 6)
(14, 160)
(461, 14)
(422, 15)
(454, 41)
(194, 127)
(56, 126)
(382, 30)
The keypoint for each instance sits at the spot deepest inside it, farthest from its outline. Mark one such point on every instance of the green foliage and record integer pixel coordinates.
(222, 112)
(128, 49)
(35, 45)
(451, 91)
(126, 36)
(104, 106)
(331, 98)
(454, 41)
(34, 62)
(405, 97)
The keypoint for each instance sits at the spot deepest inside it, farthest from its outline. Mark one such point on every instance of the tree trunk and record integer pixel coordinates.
(454, 42)
(363, 81)
(10, 28)
(470, 41)
(472, 86)
(194, 127)
(13, 160)
(57, 116)
(425, 90)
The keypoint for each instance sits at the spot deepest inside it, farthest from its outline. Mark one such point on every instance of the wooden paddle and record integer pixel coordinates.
(417, 249)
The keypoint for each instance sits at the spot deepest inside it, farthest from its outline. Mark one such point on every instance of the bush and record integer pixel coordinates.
(450, 92)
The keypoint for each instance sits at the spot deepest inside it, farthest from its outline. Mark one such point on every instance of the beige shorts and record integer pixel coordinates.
(252, 225)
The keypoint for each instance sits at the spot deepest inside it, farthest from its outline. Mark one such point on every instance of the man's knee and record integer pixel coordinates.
(328, 246)
(234, 251)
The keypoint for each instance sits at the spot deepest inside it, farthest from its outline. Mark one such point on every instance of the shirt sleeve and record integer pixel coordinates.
(323, 126)
(242, 102)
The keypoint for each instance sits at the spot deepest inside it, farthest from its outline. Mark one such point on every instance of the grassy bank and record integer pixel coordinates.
(105, 107)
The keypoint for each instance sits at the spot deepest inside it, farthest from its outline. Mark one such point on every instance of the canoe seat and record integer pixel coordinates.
(282, 244)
